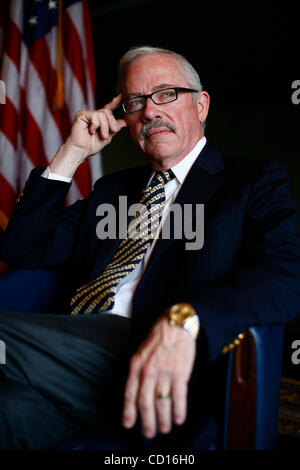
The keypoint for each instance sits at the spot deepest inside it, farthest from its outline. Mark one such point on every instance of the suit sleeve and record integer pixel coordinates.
(264, 286)
(40, 232)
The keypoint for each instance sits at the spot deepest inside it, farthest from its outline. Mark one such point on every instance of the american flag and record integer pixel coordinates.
(47, 69)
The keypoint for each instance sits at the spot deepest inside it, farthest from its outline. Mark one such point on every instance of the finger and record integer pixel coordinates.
(129, 415)
(164, 414)
(93, 129)
(132, 386)
(88, 118)
(104, 130)
(122, 123)
(146, 402)
(115, 125)
(112, 106)
(164, 404)
(179, 394)
(93, 124)
(114, 103)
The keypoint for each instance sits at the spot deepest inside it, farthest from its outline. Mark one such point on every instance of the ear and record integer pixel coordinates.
(203, 105)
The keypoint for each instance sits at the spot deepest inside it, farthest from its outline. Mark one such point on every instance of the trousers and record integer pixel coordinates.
(64, 377)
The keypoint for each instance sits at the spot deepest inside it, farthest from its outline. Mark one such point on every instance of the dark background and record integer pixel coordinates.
(247, 55)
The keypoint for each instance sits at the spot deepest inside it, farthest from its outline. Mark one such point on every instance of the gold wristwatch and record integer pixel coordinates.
(184, 315)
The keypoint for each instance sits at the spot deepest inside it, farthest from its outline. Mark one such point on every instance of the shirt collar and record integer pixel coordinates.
(183, 167)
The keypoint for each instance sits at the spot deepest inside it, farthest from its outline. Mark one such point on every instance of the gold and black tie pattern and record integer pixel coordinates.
(98, 295)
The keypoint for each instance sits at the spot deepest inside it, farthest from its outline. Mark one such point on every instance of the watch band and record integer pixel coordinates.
(192, 326)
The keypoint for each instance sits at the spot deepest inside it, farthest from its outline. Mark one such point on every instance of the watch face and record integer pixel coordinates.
(179, 313)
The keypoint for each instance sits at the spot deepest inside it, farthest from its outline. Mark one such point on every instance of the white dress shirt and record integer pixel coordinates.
(126, 288)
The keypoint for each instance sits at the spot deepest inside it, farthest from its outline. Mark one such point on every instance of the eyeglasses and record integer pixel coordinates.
(164, 96)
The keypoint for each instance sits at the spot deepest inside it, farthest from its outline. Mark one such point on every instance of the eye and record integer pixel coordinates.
(165, 95)
(169, 93)
(134, 103)
(137, 102)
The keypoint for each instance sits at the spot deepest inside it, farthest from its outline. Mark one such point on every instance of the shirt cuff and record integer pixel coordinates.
(54, 176)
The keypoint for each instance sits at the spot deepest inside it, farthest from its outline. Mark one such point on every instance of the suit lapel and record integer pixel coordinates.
(199, 186)
(136, 183)
(129, 183)
(203, 178)
(201, 183)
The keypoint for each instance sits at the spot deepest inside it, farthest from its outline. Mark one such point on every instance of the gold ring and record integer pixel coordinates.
(163, 395)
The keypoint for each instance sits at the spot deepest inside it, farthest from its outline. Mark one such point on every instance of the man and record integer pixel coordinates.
(247, 271)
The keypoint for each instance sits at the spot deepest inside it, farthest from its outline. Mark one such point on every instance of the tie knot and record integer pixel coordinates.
(162, 177)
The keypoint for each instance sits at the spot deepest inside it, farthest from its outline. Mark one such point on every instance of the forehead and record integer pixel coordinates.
(149, 71)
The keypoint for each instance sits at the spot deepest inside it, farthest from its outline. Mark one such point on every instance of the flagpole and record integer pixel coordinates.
(58, 100)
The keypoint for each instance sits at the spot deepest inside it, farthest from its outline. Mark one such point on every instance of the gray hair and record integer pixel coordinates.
(190, 74)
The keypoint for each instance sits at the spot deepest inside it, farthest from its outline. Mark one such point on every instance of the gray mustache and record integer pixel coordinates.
(157, 123)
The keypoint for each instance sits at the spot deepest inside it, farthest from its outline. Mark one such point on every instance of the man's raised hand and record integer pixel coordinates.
(91, 131)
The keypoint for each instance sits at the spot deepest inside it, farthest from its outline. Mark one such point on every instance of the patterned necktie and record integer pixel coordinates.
(98, 295)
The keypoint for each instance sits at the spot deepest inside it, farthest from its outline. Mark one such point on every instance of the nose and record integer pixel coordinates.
(151, 110)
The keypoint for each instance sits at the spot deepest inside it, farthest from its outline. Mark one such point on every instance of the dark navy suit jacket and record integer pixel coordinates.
(246, 273)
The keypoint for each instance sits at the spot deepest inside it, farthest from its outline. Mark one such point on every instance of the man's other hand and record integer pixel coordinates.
(162, 366)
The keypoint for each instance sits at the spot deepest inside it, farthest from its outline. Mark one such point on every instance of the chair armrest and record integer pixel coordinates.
(268, 345)
(253, 390)
(24, 290)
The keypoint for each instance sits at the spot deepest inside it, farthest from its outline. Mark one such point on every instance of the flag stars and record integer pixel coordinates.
(32, 20)
(52, 4)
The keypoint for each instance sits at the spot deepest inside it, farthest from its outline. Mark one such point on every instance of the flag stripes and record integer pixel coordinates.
(30, 130)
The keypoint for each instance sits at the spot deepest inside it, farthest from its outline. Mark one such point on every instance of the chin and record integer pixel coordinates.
(160, 150)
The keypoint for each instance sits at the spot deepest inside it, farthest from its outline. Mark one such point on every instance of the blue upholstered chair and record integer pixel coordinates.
(251, 401)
